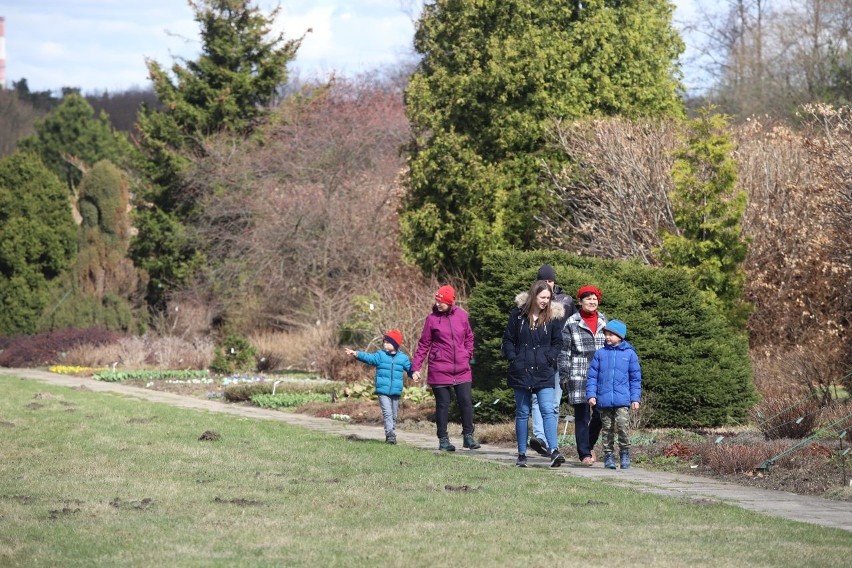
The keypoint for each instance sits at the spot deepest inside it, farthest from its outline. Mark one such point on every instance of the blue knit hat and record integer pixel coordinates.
(617, 327)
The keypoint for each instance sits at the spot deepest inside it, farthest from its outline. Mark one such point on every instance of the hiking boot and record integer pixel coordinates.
(390, 439)
(470, 442)
(445, 446)
(625, 459)
(556, 459)
(539, 446)
(521, 461)
(609, 461)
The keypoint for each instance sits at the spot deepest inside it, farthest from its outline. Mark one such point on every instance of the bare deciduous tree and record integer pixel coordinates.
(304, 215)
(613, 198)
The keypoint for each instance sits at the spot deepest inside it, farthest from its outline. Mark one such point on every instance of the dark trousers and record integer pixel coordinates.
(464, 398)
(587, 428)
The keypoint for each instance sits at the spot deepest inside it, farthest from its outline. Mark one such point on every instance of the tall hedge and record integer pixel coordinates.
(695, 370)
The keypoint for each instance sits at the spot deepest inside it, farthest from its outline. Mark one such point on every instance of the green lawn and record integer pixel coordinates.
(90, 479)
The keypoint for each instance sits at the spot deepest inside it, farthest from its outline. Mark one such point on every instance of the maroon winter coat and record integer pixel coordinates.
(448, 340)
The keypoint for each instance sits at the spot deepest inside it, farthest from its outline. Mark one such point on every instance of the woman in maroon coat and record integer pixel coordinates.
(447, 339)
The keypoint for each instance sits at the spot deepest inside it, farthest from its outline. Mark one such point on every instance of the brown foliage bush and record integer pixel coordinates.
(303, 216)
(613, 194)
(53, 347)
(612, 201)
(729, 457)
(149, 351)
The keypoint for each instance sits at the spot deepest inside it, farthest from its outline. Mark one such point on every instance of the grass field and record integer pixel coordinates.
(90, 479)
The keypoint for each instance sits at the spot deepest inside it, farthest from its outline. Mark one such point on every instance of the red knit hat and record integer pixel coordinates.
(586, 290)
(394, 337)
(446, 295)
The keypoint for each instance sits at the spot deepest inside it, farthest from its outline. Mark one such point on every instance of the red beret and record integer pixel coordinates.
(586, 290)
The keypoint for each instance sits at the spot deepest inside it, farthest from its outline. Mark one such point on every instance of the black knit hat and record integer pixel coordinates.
(546, 272)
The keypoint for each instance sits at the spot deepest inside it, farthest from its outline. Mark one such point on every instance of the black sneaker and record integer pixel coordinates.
(539, 446)
(521, 461)
(390, 439)
(556, 459)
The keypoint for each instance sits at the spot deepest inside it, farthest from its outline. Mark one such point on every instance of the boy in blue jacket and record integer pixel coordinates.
(614, 384)
(390, 362)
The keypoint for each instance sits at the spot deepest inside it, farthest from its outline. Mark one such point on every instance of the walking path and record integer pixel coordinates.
(807, 509)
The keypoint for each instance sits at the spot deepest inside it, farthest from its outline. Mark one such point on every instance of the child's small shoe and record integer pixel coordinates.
(390, 439)
(609, 461)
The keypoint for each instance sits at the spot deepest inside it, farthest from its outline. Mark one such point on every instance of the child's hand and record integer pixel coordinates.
(634, 405)
(593, 401)
(416, 376)
(351, 352)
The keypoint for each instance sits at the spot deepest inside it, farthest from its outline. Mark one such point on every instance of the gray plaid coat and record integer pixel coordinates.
(578, 348)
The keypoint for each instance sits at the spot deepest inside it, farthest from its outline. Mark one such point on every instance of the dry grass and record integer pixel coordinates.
(282, 350)
(149, 351)
(738, 458)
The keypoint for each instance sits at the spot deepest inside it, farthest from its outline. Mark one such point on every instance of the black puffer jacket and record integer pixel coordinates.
(532, 353)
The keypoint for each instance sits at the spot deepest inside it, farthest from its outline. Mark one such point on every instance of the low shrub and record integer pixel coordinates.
(787, 417)
(234, 354)
(136, 352)
(51, 347)
(243, 392)
(288, 399)
(150, 375)
(727, 458)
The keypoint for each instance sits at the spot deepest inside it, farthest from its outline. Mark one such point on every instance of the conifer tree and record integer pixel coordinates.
(238, 74)
(72, 137)
(37, 239)
(708, 210)
(493, 75)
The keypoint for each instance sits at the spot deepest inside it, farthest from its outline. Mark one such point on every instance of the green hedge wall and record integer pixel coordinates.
(696, 368)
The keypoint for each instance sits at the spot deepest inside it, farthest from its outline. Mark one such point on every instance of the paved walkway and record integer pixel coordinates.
(836, 514)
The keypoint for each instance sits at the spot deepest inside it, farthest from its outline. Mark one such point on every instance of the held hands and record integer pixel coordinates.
(351, 352)
(416, 376)
(634, 405)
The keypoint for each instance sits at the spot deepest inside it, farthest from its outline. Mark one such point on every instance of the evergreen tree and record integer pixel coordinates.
(493, 76)
(37, 239)
(708, 209)
(695, 372)
(227, 88)
(100, 287)
(71, 137)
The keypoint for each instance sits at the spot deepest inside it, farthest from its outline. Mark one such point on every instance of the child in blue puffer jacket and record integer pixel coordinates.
(614, 384)
(390, 362)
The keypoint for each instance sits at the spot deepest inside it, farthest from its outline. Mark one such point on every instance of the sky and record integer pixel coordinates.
(102, 45)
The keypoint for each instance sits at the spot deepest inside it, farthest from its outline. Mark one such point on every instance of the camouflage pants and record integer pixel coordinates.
(615, 421)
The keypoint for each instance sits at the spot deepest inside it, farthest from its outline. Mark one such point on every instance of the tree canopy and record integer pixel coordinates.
(38, 239)
(493, 76)
(238, 74)
(72, 137)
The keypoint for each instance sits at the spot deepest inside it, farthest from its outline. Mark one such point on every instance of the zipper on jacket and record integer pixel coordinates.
(453, 344)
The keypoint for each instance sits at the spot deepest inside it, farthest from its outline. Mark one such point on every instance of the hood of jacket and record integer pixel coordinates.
(557, 308)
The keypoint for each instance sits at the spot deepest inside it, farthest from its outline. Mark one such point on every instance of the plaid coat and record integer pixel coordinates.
(578, 348)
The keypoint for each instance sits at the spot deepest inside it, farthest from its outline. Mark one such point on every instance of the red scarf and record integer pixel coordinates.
(591, 320)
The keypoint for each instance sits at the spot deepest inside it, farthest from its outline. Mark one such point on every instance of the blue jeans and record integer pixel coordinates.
(390, 409)
(538, 423)
(523, 404)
